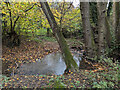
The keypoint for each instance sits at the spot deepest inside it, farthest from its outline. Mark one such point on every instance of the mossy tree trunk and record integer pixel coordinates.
(101, 6)
(59, 37)
(88, 37)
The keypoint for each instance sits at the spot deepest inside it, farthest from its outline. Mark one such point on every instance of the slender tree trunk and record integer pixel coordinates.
(101, 6)
(13, 38)
(11, 28)
(48, 32)
(89, 42)
(108, 35)
(109, 9)
(118, 34)
(59, 37)
(61, 18)
(116, 20)
(115, 16)
(4, 30)
(0, 43)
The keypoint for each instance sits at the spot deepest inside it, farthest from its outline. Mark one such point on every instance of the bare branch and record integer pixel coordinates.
(30, 8)
(19, 16)
(15, 22)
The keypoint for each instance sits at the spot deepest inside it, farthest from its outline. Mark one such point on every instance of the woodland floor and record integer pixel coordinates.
(30, 51)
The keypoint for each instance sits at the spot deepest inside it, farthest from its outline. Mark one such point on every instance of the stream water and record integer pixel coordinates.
(50, 64)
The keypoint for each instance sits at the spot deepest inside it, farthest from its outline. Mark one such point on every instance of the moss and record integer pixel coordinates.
(56, 30)
(66, 52)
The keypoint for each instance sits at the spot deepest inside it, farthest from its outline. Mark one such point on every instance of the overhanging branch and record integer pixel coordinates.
(19, 16)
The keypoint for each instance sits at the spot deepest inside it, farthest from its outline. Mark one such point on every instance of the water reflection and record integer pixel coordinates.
(50, 64)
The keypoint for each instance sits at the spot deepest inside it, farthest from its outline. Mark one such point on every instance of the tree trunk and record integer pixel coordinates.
(115, 16)
(109, 9)
(13, 37)
(4, 29)
(116, 20)
(108, 35)
(59, 37)
(88, 37)
(118, 34)
(101, 6)
(48, 32)
(93, 12)
(0, 43)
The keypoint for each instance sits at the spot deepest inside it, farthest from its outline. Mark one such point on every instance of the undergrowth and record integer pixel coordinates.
(107, 78)
(3, 79)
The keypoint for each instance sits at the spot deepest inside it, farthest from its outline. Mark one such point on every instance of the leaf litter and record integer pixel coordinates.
(31, 51)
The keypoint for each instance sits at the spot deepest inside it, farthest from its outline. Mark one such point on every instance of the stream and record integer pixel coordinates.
(51, 64)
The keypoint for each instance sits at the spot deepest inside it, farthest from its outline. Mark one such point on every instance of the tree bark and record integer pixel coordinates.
(59, 37)
(11, 28)
(93, 12)
(89, 42)
(118, 34)
(1, 42)
(101, 6)
(115, 16)
(108, 35)
(116, 20)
